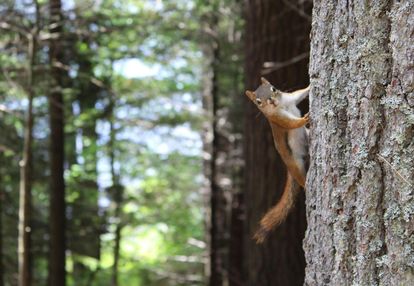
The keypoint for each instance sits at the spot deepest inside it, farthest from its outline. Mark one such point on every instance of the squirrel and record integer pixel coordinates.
(291, 141)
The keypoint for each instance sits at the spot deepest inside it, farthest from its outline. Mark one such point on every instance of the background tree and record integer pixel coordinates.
(1, 234)
(157, 144)
(277, 45)
(26, 164)
(361, 176)
(57, 273)
(116, 191)
(146, 83)
(221, 42)
(84, 91)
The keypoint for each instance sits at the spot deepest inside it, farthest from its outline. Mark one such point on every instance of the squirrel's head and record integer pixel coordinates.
(265, 97)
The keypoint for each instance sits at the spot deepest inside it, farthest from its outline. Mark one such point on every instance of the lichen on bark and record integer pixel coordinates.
(360, 183)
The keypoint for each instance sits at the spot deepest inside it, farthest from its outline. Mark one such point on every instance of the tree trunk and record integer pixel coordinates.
(236, 241)
(361, 178)
(57, 189)
(25, 194)
(117, 244)
(218, 200)
(1, 228)
(277, 43)
(221, 101)
(85, 207)
(117, 192)
(217, 219)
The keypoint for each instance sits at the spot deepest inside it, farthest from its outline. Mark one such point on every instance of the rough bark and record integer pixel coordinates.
(361, 178)
(277, 33)
(57, 184)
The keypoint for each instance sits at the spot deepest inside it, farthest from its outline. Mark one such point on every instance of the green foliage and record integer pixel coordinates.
(132, 137)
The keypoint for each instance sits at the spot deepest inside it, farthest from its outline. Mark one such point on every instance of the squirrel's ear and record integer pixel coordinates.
(264, 81)
(251, 94)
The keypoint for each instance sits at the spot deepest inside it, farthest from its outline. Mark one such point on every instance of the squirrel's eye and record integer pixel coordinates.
(273, 89)
(259, 101)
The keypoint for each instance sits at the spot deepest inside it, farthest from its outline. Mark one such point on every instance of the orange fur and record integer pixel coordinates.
(280, 110)
(288, 123)
(295, 167)
(277, 214)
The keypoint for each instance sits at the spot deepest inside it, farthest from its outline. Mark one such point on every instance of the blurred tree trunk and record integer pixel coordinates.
(1, 228)
(85, 206)
(56, 112)
(277, 45)
(218, 200)
(117, 244)
(222, 142)
(26, 183)
(361, 176)
(236, 240)
(116, 191)
(217, 219)
(25, 194)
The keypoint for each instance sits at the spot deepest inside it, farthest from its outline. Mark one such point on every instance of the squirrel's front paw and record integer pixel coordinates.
(306, 117)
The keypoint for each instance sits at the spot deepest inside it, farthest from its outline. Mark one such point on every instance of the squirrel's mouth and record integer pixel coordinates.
(271, 101)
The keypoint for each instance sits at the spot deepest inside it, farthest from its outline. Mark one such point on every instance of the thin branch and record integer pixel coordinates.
(92, 79)
(188, 259)
(4, 148)
(297, 10)
(178, 277)
(4, 109)
(197, 243)
(269, 67)
(11, 82)
(395, 170)
(7, 27)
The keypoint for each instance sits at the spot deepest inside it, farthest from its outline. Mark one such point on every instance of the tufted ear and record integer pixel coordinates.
(251, 95)
(264, 81)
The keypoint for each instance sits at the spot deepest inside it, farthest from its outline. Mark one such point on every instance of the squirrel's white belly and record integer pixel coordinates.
(297, 141)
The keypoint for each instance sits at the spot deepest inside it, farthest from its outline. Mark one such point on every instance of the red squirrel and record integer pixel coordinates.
(291, 141)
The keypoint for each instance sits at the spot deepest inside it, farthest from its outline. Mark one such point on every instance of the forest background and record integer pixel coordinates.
(109, 117)
(129, 154)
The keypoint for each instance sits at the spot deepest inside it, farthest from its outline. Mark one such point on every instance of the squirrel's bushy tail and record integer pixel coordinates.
(277, 214)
